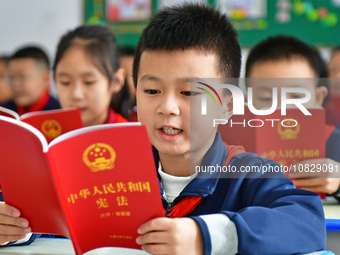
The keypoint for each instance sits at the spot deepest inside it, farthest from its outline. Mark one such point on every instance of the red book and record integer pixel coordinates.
(50, 123)
(95, 185)
(285, 139)
(334, 102)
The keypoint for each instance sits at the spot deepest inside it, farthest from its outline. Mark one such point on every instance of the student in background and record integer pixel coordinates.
(334, 87)
(29, 80)
(217, 214)
(5, 91)
(126, 59)
(288, 57)
(334, 71)
(87, 73)
(125, 100)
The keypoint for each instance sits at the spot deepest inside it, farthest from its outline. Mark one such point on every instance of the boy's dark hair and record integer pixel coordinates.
(192, 26)
(33, 52)
(98, 42)
(281, 47)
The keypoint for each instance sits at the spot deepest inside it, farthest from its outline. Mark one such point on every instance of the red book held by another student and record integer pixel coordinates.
(95, 185)
(286, 139)
(50, 123)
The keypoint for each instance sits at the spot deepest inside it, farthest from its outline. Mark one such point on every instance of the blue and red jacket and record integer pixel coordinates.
(46, 102)
(271, 216)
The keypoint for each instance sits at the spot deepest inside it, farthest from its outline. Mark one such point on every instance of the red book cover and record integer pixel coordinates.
(334, 102)
(51, 123)
(95, 185)
(285, 139)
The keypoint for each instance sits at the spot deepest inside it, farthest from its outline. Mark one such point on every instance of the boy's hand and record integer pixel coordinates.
(12, 227)
(171, 236)
(317, 175)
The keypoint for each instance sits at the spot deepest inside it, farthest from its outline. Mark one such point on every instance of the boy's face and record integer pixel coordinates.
(164, 99)
(28, 81)
(289, 73)
(334, 73)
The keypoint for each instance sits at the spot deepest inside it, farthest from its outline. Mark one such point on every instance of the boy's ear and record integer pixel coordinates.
(227, 106)
(320, 94)
(118, 80)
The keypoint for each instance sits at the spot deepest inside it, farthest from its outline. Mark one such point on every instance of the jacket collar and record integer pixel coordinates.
(205, 183)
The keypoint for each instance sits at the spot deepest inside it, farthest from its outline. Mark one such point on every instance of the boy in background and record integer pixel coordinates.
(288, 57)
(213, 215)
(29, 80)
(334, 71)
(334, 88)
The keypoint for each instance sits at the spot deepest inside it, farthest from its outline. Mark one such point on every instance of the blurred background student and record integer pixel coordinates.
(334, 71)
(87, 73)
(29, 79)
(288, 57)
(125, 100)
(5, 91)
(333, 104)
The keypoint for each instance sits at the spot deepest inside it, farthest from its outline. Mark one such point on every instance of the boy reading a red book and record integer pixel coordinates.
(29, 80)
(212, 215)
(287, 57)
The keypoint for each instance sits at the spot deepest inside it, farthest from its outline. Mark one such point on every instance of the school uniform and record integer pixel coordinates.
(46, 102)
(246, 213)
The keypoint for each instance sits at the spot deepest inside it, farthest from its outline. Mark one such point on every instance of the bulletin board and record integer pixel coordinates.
(314, 21)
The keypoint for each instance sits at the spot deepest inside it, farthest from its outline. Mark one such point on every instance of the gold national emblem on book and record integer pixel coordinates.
(99, 156)
(51, 128)
(290, 129)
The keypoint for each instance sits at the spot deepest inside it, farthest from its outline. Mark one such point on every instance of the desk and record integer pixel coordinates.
(59, 246)
(56, 246)
(332, 215)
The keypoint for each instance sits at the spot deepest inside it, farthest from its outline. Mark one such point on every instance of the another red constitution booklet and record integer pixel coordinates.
(51, 123)
(285, 139)
(96, 185)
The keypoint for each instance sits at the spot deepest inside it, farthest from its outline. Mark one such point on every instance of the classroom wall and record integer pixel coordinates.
(37, 21)
(44, 21)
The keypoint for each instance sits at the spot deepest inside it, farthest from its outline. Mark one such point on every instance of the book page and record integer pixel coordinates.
(8, 113)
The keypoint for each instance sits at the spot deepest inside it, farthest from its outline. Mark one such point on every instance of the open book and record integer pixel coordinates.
(95, 185)
(50, 123)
